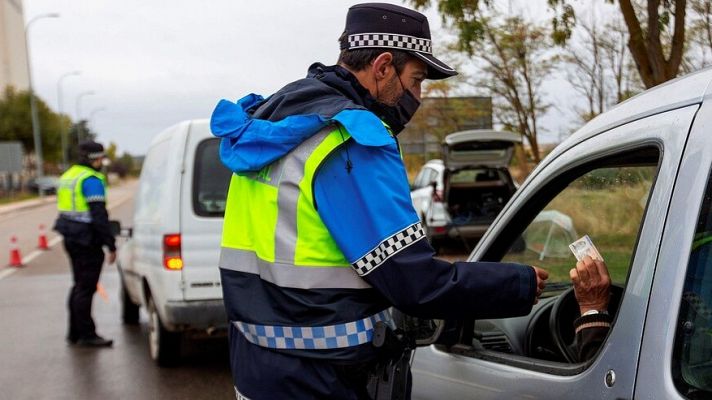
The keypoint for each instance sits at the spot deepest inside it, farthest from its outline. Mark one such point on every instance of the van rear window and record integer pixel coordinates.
(210, 180)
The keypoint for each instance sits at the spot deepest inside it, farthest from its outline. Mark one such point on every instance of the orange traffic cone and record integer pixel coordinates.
(42, 240)
(15, 258)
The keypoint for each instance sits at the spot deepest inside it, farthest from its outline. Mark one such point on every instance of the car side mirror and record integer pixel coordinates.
(115, 227)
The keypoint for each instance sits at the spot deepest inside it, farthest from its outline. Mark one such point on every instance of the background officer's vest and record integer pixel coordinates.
(71, 202)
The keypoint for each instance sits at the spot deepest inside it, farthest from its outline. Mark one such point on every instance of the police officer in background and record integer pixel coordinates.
(320, 236)
(84, 223)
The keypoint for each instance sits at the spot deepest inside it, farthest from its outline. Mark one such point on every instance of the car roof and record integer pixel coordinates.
(202, 126)
(683, 91)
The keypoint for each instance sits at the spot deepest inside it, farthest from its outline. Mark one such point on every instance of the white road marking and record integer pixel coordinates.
(53, 242)
(7, 272)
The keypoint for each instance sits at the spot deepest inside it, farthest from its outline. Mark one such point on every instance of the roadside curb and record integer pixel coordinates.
(26, 204)
(32, 203)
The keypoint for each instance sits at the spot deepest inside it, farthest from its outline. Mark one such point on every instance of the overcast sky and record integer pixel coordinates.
(155, 63)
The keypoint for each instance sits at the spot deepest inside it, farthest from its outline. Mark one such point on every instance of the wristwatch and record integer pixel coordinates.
(594, 312)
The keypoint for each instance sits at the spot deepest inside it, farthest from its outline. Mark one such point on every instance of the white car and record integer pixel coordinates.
(169, 265)
(458, 197)
(637, 180)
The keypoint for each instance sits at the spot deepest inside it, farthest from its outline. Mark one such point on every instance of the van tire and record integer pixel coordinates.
(129, 310)
(163, 345)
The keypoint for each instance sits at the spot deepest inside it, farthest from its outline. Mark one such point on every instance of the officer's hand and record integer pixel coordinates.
(592, 284)
(112, 257)
(541, 277)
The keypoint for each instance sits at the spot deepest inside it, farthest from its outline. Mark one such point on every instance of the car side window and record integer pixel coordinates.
(604, 199)
(606, 204)
(692, 356)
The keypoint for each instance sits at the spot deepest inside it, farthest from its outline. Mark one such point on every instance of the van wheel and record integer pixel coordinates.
(163, 345)
(129, 310)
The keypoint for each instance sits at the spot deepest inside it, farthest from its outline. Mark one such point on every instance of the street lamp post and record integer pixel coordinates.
(33, 107)
(63, 133)
(79, 105)
(94, 111)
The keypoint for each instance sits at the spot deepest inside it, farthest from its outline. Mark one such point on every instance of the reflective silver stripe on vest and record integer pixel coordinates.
(288, 275)
(335, 336)
(74, 191)
(285, 238)
(78, 216)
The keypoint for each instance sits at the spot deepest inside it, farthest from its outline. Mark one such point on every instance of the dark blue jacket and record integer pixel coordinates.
(362, 195)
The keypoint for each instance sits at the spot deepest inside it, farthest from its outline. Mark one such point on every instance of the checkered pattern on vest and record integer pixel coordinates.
(389, 247)
(314, 337)
(365, 40)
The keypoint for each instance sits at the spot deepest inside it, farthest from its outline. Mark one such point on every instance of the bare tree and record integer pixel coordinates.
(600, 67)
(515, 62)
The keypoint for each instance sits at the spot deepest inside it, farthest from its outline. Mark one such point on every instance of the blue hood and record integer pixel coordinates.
(249, 143)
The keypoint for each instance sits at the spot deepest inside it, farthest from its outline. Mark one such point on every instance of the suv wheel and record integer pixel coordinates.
(129, 310)
(163, 345)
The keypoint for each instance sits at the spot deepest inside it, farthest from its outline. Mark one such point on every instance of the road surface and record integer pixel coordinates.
(37, 363)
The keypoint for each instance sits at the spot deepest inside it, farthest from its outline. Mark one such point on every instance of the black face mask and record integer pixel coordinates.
(398, 115)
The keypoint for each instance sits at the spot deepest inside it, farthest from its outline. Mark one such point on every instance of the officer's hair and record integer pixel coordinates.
(359, 59)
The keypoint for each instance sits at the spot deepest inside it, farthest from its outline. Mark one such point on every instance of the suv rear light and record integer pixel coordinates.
(171, 252)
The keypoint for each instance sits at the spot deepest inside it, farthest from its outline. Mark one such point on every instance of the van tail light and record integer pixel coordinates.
(171, 252)
(438, 196)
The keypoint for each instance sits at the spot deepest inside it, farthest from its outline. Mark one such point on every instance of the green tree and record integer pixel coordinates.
(111, 151)
(78, 133)
(656, 34)
(16, 123)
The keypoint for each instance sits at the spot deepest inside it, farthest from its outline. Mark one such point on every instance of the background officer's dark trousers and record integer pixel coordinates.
(86, 268)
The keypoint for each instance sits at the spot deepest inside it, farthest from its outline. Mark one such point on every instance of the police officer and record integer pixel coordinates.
(320, 236)
(84, 223)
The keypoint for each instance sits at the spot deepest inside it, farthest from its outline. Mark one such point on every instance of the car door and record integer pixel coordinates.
(676, 357)
(513, 358)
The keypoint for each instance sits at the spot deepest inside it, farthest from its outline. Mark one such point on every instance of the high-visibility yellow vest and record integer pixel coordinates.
(71, 201)
(272, 227)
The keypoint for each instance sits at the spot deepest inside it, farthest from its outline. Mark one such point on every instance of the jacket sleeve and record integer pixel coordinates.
(591, 331)
(368, 211)
(95, 194)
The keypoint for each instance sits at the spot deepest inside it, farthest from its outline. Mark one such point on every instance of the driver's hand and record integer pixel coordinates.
(592, 284)
(541, 276)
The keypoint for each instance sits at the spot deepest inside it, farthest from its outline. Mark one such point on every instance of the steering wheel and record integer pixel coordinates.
(564, 313)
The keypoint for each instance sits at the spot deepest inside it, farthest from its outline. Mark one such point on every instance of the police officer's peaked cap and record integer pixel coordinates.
(91, 149)
(379, 25)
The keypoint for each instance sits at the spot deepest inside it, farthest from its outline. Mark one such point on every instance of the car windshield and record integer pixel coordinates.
(472, 175)
(607, 204)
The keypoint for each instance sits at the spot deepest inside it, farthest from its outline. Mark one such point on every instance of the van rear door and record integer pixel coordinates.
(204, 192)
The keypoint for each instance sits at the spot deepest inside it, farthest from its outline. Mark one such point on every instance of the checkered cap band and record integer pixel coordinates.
(389, 247)
(390, 40)
(313, 337)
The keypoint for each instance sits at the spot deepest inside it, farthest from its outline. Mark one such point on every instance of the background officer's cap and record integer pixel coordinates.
(378, 25)
(91, 150)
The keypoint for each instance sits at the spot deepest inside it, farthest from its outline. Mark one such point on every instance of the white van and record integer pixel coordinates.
(170, 263)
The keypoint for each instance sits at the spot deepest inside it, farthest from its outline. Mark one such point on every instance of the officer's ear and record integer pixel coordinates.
(383, 66)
